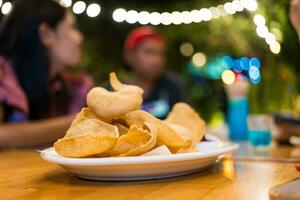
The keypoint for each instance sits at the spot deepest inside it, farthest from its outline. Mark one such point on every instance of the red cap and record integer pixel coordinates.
(140, 34)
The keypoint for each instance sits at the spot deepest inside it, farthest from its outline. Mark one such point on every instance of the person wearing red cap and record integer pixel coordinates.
(144, 54)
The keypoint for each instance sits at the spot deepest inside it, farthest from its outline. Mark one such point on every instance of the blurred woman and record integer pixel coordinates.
(38, 97)
(144, 54)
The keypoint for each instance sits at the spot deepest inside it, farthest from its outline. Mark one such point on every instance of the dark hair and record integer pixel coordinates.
(21, 45)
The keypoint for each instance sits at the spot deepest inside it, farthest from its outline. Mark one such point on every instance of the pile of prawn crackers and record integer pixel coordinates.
(112, 125)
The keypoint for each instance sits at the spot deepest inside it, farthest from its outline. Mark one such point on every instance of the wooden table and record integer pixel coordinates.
(24, 175)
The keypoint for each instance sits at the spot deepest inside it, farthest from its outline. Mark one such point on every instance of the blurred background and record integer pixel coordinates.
(196, 46)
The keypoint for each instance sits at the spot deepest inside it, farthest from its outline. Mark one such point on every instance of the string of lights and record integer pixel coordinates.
(120, 15)
(183, 17)
(79, 7)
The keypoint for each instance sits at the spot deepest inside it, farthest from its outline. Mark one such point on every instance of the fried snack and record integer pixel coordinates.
(87, 138)
(109, 105)
(113, 125)
(121, 124)
(184, 115)
(161, 150)
(85, 113)
(165, 134)
(189, 149)
(183, 131)
(118, 86)
(122, 129)
(136, 142)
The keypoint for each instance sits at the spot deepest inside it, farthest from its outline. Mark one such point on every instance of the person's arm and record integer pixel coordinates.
(34, 133)
(295, 15)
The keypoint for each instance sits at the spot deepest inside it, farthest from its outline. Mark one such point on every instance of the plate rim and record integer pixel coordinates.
(227, 147)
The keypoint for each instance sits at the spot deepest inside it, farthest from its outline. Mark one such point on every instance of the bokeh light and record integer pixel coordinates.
(155, 18)
(187, 49)
(275, 48)
(6, 8)
(250, 5)
(176, 18)
(144, 17)
(227, 62)
(254, 73)
(196, 16)
(270, 38)
(254, 62)
(166, 18)
(215, 12)
(228, 7)
(66, 3)
(237, 66)
(238, 6)
(79, 7)
(131, 16)
(259, 20)
(244, 63)
(278, 34)
(186, 17)
(119, 15)
(205, 13)
(199, 59)
(262, 31)
(93, 10)
(228, 77)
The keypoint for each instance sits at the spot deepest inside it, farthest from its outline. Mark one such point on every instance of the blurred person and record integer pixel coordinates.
(295, 15)
(285, 127)
(144, 54)
(38, 96)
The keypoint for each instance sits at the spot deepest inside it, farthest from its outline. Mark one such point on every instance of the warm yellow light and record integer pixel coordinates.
(275, 48)
(229, 8)
(187, 49)
(215, 12)
(199, 59)
(278, 34)
(66, 3)
(228, 77)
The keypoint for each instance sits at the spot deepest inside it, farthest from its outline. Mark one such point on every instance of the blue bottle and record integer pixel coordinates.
(238, 110)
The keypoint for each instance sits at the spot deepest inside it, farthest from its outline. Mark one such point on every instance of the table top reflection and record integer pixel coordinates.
(275, 152)
(24, 175)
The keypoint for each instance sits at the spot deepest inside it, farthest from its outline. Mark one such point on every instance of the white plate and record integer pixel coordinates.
(143, 167)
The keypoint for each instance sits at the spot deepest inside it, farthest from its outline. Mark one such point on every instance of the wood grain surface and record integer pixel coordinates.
(24, 175)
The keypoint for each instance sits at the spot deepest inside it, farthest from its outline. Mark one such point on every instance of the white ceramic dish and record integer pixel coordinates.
(143, 167)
